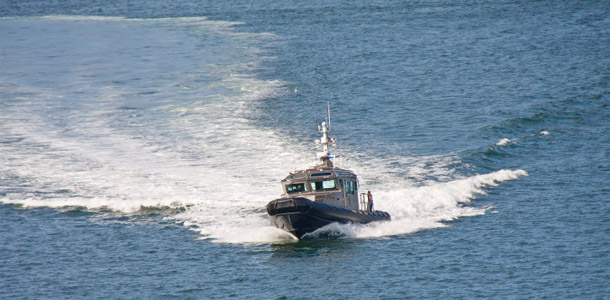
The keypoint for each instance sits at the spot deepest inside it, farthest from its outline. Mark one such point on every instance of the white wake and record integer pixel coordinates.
(100, 119)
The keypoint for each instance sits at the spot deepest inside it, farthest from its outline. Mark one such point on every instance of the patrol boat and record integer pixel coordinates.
(321, 195)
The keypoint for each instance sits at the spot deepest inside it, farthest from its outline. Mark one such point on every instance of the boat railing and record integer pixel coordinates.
(364, 202)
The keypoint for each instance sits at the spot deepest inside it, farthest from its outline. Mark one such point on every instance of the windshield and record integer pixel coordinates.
(295, 188)
(323, 185)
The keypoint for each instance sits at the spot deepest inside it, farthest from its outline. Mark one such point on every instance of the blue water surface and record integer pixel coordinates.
(125, 127)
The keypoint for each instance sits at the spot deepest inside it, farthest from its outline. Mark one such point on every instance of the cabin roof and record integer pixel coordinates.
(319, 172)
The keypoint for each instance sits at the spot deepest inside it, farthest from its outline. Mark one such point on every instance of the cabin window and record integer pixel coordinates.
(323, 185)
(295, 188)
(351, 187)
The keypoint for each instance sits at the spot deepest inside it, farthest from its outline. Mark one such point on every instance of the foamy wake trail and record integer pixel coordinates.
(129, 130)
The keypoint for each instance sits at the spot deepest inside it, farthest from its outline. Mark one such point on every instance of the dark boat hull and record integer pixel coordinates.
(300, 216)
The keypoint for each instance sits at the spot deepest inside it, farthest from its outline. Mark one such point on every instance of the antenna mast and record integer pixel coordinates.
(324, 128)
(329, 126)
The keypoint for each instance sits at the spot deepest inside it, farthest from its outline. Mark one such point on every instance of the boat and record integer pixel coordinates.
(321, 195)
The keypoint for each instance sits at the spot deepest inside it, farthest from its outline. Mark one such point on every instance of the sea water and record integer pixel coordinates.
(141, 141)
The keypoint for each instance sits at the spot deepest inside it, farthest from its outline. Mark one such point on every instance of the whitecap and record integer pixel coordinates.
(503, 142)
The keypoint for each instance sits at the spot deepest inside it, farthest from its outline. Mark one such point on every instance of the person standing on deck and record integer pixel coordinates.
(369, 195)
